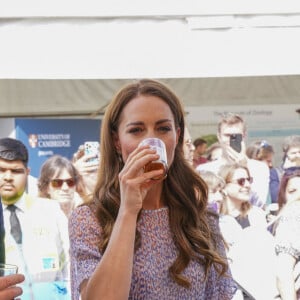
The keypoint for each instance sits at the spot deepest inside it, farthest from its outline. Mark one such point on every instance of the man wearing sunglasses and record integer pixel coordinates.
(36, 237)
(231, 136)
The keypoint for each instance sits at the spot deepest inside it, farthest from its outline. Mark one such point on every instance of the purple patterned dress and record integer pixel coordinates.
(150, 278)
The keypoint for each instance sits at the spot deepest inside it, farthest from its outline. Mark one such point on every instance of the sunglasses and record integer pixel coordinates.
(58, 183)
(242, 181)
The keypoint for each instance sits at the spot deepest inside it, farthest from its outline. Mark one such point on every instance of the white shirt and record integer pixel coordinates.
(44, 239)
(251, 254)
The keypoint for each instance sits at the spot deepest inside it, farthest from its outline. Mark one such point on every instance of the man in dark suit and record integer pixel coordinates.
(2, 234)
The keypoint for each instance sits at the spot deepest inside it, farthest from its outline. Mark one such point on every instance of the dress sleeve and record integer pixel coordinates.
(288, 232)
(222, 287)
(84, 234)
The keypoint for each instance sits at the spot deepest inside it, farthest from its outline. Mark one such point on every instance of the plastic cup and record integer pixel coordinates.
(162, 162)
(8, 269)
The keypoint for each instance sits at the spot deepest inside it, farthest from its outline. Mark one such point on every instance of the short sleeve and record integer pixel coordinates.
(288, 232)
(222, 287)
(84, 234)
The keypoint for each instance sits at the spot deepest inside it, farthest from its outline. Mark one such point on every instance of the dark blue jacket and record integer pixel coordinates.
(2, 234)
(275, 178)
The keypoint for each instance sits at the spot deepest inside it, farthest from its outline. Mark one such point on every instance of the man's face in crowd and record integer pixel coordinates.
(188, 147)
(293, 155)
(201, 149)
(13, 178)
(227, 130)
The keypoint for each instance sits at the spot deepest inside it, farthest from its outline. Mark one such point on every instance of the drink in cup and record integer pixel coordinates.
(161, 163)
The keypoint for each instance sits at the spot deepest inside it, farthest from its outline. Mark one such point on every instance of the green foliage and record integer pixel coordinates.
(210, 138)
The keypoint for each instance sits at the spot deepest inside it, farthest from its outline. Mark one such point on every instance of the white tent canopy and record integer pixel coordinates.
(69, 57)
(157, 39)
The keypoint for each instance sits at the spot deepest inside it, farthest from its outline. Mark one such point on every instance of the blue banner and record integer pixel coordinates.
(46, 137)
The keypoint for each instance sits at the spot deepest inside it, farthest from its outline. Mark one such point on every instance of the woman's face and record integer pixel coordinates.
(239, 186)
(293, 154)
(216, 154)
(145, 117)
(215, 195)
(62, 187)
(269, 160)
(292, 191)
(188, 146)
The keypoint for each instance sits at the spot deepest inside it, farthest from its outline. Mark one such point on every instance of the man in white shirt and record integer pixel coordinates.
(231, 127)
(36, 229)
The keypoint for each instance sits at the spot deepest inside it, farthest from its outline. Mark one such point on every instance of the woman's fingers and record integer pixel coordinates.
(11, 292)
(138, 159)
(8, 290)
(134, 182)
(10, 280)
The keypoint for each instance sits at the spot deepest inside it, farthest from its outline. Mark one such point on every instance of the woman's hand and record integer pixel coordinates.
(85, 166)
(134, 182)
(8, 288)
(88, 173)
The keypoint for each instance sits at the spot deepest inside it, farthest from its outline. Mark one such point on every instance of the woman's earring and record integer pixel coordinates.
(120, 158)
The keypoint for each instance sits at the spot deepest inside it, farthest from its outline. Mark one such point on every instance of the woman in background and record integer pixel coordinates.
(287, 235)
(188, 146)
(215, 185)
(263, 151)
(58, 181)
(214, 152)
(291, 158)
(244, 227)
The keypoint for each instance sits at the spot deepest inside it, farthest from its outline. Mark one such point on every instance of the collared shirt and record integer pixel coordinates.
(43, 253)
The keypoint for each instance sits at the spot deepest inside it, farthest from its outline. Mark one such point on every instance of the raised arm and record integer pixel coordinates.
(285, 276)
(112, 276)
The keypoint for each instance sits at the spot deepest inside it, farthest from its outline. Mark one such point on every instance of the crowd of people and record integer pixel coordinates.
(108, 229)
(258, 205)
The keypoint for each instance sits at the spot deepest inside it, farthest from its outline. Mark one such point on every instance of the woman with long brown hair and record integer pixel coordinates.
(287, 232)
(146, 235)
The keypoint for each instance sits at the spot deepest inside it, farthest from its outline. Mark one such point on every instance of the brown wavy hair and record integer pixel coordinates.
(184, 191)
(288, 174)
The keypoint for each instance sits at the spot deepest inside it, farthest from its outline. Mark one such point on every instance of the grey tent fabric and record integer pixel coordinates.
(89, 97)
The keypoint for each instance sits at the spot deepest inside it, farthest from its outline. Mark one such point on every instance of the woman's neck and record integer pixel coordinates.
(153, 199)
(234, 207)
